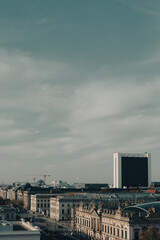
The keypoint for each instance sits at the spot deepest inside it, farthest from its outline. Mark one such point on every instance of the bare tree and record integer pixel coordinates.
(150, 234)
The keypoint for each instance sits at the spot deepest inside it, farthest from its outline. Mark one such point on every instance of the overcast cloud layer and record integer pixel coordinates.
(79, 80)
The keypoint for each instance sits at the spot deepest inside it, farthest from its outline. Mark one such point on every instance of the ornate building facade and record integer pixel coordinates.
(99, 223)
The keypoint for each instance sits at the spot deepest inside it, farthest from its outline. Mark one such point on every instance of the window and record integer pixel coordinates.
(108, 229)
(38, 205)
(125, 234)
(45, 205)
(102, 228)
(68, 205)
(62, 205)
(118, 232)
(48, 204)
(105, 228)
(113, 231)
(62, 211)
(68, 211)
(122, 234)
(136, 234)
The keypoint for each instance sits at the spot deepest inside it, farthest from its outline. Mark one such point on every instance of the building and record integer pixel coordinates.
(18, 231)
(155, 184)
(91, 186)
(40, 203)
(60, 207)
(8, 213)
(3, 192)
(59, 184)
(91, 222)
(132, 170)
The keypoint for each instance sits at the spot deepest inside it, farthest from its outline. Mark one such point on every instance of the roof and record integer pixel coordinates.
(144, 207)
(152, 191)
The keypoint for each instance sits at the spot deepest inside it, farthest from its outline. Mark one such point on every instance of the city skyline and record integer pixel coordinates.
(79, 82)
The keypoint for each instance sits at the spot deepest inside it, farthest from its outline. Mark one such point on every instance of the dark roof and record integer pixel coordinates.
(144, 207)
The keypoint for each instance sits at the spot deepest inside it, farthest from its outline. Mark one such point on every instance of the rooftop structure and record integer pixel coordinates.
(18, 231)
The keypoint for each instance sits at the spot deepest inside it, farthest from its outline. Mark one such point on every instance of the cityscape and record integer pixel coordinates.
(79, 120)
(127, 209)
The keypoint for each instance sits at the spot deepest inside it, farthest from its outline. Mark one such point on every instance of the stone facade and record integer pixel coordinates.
(61, 206)
(40, 203)
(99, 223)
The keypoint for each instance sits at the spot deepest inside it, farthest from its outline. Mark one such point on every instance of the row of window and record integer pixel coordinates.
(44, 200)
(84, 222)
(114, 231)
(68, 205)
(43, 205)
(68, 211)
(107, 229)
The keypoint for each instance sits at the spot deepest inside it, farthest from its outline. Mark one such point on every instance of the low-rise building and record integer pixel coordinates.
(91, 186)
(3, 192)
(40, 203)
(18, 231)
(8, 213)
(60, 207)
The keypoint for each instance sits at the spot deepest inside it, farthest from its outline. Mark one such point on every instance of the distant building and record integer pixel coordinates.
(3, 192)
(132, 170)
(91, 186)
(40, 203)
(59, 184)
(155, 184)
(60, 207)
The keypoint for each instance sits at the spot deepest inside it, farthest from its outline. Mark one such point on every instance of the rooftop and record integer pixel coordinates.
(144, 207)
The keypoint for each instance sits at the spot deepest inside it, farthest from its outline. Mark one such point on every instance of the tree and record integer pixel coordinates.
(151, 234)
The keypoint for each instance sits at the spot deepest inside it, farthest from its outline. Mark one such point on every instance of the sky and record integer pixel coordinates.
(79, 81)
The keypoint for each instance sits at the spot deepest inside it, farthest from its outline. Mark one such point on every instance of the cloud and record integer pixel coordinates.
(48, 122)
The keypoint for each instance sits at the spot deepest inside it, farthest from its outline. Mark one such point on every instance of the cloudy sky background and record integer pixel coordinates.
(79, 80)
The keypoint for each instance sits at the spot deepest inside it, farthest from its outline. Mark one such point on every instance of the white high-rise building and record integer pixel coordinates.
(132, 169)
